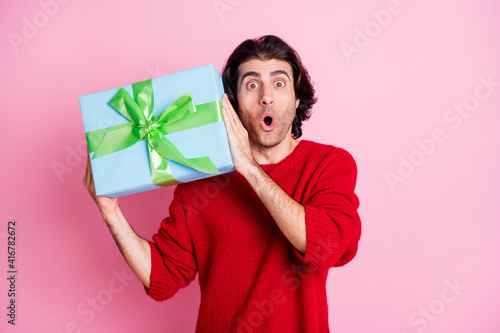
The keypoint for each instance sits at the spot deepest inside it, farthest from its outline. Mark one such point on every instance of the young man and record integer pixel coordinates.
(264, 237)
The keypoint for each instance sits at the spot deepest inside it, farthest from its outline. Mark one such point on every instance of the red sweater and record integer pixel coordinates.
(252, 279)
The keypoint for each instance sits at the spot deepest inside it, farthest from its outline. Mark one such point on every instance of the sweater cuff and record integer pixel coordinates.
(156, 285)
(320, 244)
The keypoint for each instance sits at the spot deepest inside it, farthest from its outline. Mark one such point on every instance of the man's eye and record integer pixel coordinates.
(279, 84)
(252, 85)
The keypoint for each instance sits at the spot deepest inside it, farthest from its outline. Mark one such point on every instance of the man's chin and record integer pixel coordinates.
(268, 140)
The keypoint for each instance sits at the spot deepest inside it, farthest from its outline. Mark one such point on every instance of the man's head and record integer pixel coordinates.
(269, 88)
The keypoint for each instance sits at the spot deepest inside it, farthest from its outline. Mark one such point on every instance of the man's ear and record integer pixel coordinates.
(297, 102)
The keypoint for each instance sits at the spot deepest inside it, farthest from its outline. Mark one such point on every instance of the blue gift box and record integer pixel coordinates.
(127, 171)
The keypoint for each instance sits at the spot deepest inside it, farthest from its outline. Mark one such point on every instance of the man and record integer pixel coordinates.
(264, 237)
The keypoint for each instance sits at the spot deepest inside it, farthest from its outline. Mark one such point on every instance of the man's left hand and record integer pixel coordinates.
(238, 138)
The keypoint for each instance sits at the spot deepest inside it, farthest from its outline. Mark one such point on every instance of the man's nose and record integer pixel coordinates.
(266, 98)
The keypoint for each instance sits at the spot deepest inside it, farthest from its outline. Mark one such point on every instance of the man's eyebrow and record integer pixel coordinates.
(249, 74)
(279, 72)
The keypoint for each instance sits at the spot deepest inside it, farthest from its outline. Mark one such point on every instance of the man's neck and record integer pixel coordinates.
(276, 154)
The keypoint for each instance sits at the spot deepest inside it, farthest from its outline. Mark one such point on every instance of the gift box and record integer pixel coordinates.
(157, 133)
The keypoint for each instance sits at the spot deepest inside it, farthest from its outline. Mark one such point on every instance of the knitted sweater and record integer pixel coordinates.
(252, 279)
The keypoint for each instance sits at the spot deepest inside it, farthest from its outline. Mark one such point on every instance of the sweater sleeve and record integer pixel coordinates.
(173, 261)
(333, 226)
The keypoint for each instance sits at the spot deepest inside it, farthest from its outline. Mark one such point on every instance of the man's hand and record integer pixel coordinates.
(238, 138)
(106, 205)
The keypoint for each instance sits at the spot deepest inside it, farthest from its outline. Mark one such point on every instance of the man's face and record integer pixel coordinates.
(266, 100)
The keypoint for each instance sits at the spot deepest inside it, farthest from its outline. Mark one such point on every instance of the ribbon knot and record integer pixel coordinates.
(146, 129)
(181, 115)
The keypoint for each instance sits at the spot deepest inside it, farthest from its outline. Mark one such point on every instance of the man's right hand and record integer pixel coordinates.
(106, 205)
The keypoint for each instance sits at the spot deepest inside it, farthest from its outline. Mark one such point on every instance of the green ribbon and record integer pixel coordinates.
(179, 116)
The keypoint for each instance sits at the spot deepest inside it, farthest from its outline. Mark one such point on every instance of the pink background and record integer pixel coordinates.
(435, 226)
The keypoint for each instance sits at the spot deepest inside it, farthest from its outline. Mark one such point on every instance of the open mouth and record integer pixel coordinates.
(267, 121)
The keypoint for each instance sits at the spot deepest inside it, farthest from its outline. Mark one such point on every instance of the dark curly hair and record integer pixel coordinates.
(266, 48)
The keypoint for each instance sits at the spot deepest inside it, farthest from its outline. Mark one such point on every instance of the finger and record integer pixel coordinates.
(225, 108)
(85, 177)
(228, 117)
(233, 122)
(88, 170)
(89, 177)
(236, 122)
(229, 108)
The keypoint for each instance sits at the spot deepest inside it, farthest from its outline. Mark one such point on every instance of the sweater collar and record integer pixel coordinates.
(298, 153)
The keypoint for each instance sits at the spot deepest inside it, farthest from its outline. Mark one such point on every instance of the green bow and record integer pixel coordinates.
(179, 116)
